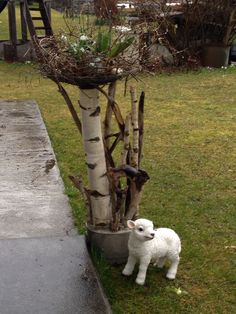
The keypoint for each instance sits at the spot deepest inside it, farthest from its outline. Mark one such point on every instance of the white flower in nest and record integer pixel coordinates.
(64, 38)
(97, 60)
(83, 38)
(122, 29)
(117, 71)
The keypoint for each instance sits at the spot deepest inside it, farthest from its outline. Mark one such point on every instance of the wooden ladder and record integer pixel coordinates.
(38, 19)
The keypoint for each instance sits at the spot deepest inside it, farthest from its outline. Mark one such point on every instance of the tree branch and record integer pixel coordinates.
(70, 106)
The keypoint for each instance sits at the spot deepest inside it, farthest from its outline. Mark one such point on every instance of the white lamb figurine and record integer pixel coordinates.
(148, 245)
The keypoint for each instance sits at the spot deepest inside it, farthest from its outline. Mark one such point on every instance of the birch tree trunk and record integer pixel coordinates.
(95, 157)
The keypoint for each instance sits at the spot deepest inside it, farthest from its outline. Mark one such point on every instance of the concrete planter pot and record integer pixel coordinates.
(215, 56)
(113, 245)
(232, 55)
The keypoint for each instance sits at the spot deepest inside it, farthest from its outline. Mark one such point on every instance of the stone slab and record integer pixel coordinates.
(32, 199)
(44, 267)
(49, 276)
(24, 51)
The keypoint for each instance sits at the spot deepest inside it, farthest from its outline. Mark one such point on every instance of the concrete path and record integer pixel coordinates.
(44, 265)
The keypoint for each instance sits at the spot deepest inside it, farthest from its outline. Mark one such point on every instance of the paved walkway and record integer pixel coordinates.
(44, 265)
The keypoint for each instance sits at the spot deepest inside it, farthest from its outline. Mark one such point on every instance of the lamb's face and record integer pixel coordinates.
(142, 229)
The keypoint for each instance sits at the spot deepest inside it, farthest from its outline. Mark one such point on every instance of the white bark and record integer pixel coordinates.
(95, 156)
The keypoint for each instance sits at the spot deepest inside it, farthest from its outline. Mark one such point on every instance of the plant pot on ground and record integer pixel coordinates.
(232, 54)
(219, 28)
(112, 245)
(215, 56)
(204, 27)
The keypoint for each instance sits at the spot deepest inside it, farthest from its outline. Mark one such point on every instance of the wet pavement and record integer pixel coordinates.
(44, 265)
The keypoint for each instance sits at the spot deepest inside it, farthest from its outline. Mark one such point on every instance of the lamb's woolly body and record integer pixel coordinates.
(148, 245)
(165, 243)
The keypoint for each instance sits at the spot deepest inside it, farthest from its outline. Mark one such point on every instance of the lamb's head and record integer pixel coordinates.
(142, 229)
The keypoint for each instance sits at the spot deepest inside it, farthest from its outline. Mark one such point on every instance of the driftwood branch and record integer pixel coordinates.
(137, 180)
(126, 148)
(112, 135)
(70, 106)
(135, 199)
(115, 143)
(134, 120)
(109, 159)
(141, 125)
(118, 213)
(118, 197)
(115, 109)
(85, 194)
(108, 114)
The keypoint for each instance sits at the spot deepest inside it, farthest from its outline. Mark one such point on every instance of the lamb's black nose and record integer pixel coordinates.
(152, 234)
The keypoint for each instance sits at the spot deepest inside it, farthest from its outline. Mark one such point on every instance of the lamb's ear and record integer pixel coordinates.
(131, 224)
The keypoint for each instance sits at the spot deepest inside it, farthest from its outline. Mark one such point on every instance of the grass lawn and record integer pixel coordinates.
(190, 155)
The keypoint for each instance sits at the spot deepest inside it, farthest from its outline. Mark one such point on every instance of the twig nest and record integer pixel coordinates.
(85, 62)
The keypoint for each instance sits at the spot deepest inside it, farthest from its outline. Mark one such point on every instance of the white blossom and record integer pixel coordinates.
(123, 29)
(117, 71)
(64, 38)
(83, 37)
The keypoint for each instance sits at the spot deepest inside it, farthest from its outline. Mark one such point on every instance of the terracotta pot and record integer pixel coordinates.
(113, 245)
(215, 56)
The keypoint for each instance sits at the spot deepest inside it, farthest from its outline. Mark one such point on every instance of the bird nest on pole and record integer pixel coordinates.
(85, 62)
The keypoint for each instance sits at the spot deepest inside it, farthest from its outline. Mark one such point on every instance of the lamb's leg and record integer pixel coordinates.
(173, 268)
(144, 262)
(161, 262)
(129, 267)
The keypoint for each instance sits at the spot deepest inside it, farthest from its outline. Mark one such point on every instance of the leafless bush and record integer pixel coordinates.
(106, 9)
(185, 28)
(208, 21)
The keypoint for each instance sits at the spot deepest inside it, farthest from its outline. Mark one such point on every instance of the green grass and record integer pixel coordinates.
(189, 153)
